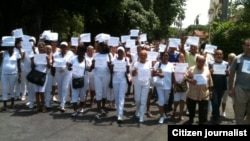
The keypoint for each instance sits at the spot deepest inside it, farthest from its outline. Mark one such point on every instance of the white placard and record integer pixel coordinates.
(246, 66)
(124, 38)
(26, 38)
(27, 46)
(40, 59)
(85, 37)
(219, 69)
(162, 47)
(181, 67)
(130, 43)
(143, 37)
(152, 55)
(200, 79)
(134, 32)
(74, 41)
(113, 41)
(59, 62)
(53, 36)
(8, 41)
(174, 42)
(119, 65)
(133, 49)
(18, 33)
(210, 48)
(45, 34)
(193, 40)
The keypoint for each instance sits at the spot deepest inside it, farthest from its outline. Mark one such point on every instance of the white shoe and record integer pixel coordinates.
(27, 104)
(54, 98)
(224, 114)
(23, 98)
(141, 119)
(62, 109)
(137, 114)
(119, 118)
(161, 120)
(81, 110)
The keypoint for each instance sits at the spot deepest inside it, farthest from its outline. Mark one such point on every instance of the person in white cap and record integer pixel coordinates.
(62, 74)
(120, 67)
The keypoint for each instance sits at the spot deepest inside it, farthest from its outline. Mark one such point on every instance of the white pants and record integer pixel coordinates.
(79, 93)
(22, 87)
(91, 83)
(163, 96)
(119, 92)
(8, 85)
(110, 94)
(141, 97)
(48, 88)
(62, 79)
(101, 85)
(28, 88)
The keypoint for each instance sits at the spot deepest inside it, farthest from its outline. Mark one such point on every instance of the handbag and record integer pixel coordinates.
(79, 82)
(157, 81)
(127, 76)
(36, 77)
(181, 87)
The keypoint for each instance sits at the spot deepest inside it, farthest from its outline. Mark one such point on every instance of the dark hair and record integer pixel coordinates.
(105, 48)
(17, 41)
(81, 49)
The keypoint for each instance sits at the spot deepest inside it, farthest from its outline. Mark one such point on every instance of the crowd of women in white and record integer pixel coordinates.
(97, 64)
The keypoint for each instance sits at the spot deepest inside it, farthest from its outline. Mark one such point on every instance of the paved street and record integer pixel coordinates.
(23, 124)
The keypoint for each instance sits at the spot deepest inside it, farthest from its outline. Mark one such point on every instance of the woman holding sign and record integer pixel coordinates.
(41, 63)
(120, 68)
(142, 75)
(79, 67)
(62, 74)
(164, 70)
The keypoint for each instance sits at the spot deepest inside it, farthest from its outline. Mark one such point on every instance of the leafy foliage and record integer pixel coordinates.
(229, 37)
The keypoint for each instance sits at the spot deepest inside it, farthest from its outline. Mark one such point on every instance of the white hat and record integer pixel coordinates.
(33, 39)
(121, 48)
(64, 43)
(102, 37)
